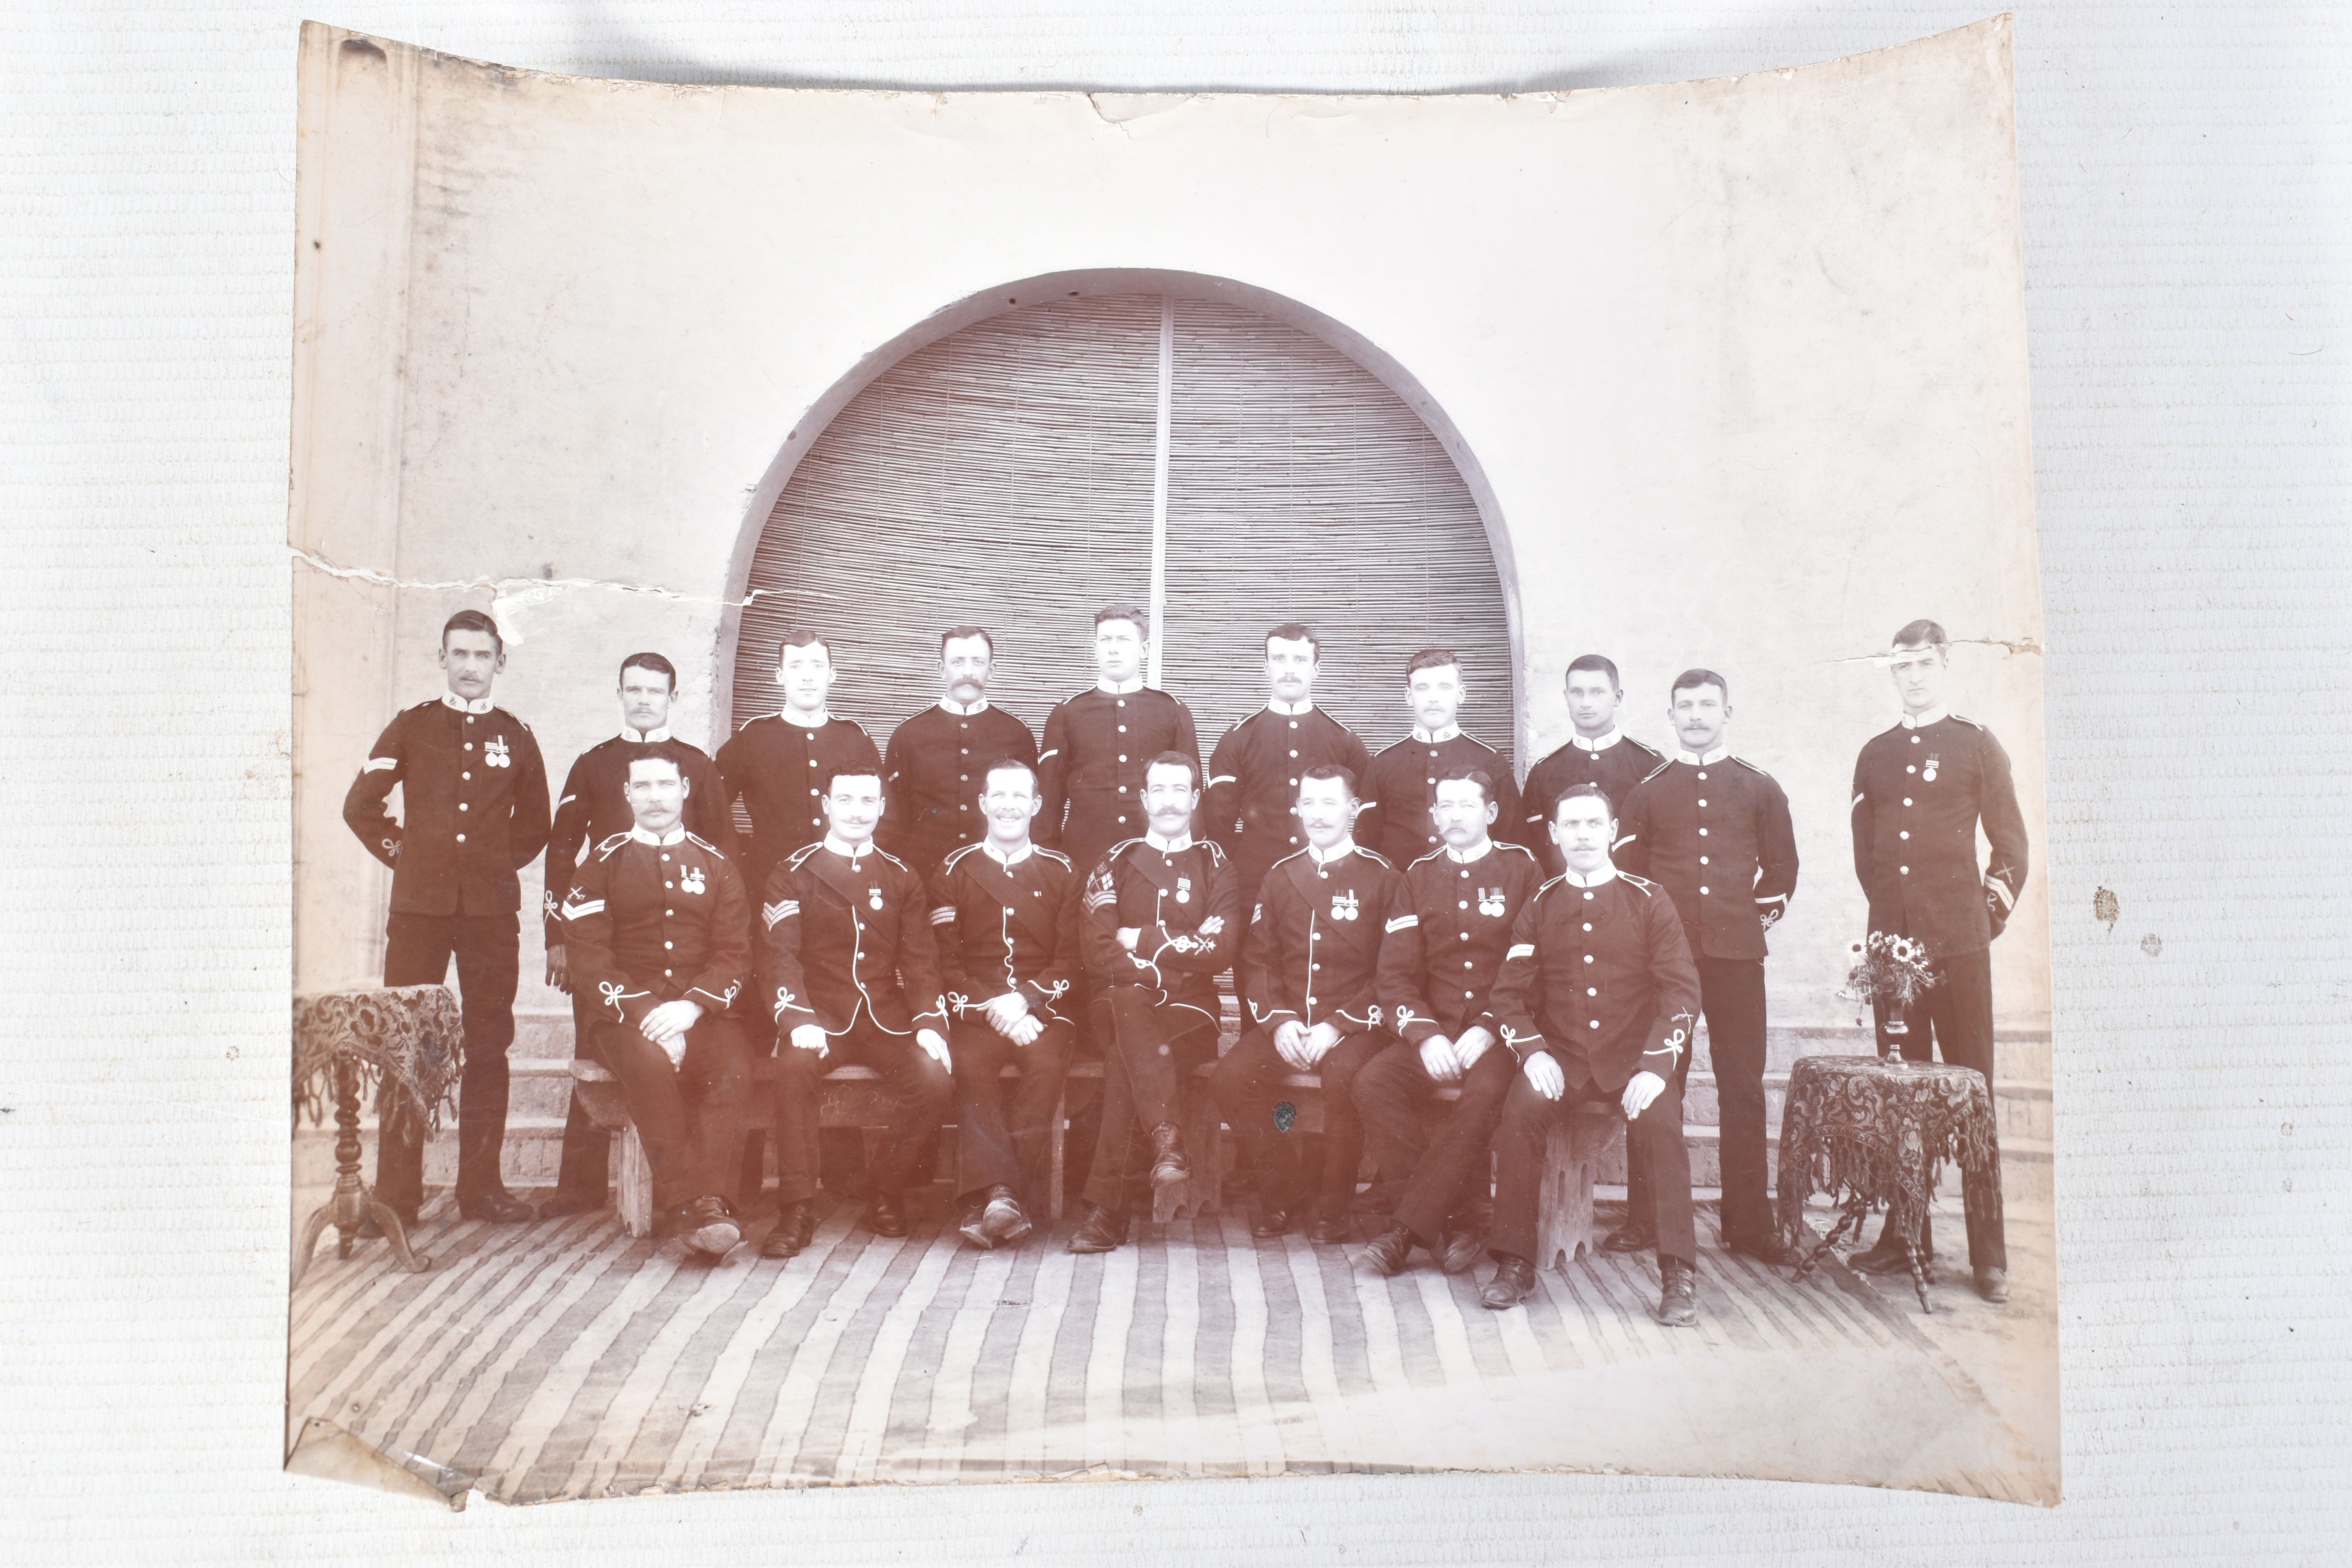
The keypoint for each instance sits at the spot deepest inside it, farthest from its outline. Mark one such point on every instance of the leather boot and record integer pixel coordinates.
(710, 1227)
(1514, 1282)
(1169, 1165)
(794, 1230)
(1329, 1230)
(1678, 1295)
(1002, 1218)
(1464, 1248)
(1100, 1231)
(1389, 1253)
(1992, 1284)
(1633, 1235)
(889, 1214)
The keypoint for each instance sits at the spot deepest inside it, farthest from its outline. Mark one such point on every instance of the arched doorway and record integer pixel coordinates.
(1030, 467)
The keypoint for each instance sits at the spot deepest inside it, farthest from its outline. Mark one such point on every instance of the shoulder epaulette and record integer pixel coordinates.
(1216, 850)
(1653, 773)
(958, 853)
(894, 859)
(1423, 860)
(1644, 883)
(1285, 860)
(801, 855)
(605, 849)
(1068, 863)
(1964, 718)
(752, 721)
(1751, 767)
(428, 702)
(1546, 886)
(1116, 851)
(1376, 857)
(1640, 747)
(694, 837)
(1502, 844)
(1466, 735)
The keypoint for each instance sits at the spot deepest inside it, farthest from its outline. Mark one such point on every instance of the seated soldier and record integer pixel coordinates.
(658, 929)
(1598, 999)
(1308, 968)
(1006, 916)
(854, 980)
(1160, 921)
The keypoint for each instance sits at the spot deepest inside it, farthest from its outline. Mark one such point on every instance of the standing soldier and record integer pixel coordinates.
(1713, 830)
(594, 806)
(658, 930)
(1098, 744)
(852, 976)
(778, 763)
(474, 812)
(1597, 1001)
(1401, 787)
(1006, 916)
(1308, 972)
(931, 775)
(1162, 919)
(1254, 773)
(1445, 936)
(1921, 791)
(1598, 754)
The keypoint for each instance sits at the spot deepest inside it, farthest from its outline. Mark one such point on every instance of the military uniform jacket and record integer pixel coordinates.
(594, 806)
(1918, 794)
(845, 937)
(473, 808)
(1599, 975)
(1715, 835)
(1097, 746)
(1448, 927)
(1620, 763)
(1403, 781)
(778, 768)
(1313, 952)
(1186, 904)
(653, 919)
(1007, 926)
(934, 774)
(1254, 781)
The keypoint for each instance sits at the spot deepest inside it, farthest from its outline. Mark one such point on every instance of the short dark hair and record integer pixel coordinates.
(1175, 760)
(652, 661)
(957, 634)
(1583, 790)
(1923, 633)
(850, 771)
(1594, 662)
(1126, 612)
(1292, 631)
(472, 621)
(1008, 764)
(1459, 771)
(1430, 659)
(1692, 679)
(804, 638)
(1321, 771)
(640, 751)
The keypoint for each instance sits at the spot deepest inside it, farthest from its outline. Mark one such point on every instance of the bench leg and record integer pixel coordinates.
(1053, 1178)
(633, 1192)
(1565, 1230)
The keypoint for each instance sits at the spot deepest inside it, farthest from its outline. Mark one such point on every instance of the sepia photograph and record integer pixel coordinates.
(1018, 785)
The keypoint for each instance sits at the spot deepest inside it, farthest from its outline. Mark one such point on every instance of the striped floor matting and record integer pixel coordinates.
(564, 1360)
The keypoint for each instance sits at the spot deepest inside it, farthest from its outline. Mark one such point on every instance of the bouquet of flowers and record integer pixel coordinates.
(1889, 970)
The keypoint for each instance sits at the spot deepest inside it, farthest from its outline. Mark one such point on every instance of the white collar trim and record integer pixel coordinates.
(1118, 688)
(1436, 738)
(1607, 873)
(1708, 760)
(1935, 715)
(988, 847)
(1337, 852)
(451, 701)
(952, 706)
(675, 835)
(647, 737)
(1291, 710)
(853, 853)
(1485, 847)
(791, 715)
(1602, 744)
(1167, 845)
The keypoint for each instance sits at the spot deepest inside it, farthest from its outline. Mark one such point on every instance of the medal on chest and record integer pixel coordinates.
(494, 752)
(690, 880)
(1343, 906)
(1927, 773)
(873, 898)
(1183, 889)
(1490, 901)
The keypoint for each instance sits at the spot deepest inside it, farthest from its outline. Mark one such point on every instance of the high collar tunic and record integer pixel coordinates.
(1448, 927)
(1007, 925)
(1313, 950)
(473, 808)
(652, 920)
(1599, 975)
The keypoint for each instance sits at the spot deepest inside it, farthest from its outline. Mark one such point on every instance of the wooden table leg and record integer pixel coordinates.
(353, 1203)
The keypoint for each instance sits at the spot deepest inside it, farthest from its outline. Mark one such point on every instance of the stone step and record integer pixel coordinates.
(1706, 1155)
(533, 1155)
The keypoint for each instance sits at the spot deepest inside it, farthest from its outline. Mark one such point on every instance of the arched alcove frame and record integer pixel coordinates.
(981, 306)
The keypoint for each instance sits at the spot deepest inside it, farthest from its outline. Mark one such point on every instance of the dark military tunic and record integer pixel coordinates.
(1313, 950)
(1007, 926)
(650, 920)
(934, 774)
(1715, 833)
(778, 768)
(1253, 783)
(594, 806)
(1403, 781)
(1448, 927)
(1600, 976)
(850, 935)
(1182, 896)
(1097, 746)
(473, 808)
(1918, 793)
(1616, 762)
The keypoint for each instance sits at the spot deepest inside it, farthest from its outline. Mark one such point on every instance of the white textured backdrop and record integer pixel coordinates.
(2186, 195)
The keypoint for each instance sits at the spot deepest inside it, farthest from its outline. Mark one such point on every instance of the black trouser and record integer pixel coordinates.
(1955, 1018)
(1653, 1145)
(915, 1088)
(1440, 1153)
(587, 1167)
(417, 952)
(1731, 994)
(1004, 1137)
(1152, 1044)
(689, 1117)
(1248, 1085)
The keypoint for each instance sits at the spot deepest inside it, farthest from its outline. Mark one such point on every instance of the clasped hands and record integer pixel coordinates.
(1304, 1045)
(1446, 1060)
(1010, 1016)
(666, 1025)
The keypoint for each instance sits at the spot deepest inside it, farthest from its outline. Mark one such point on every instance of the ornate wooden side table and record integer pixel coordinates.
(405, 1042)
(1868, 1131)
